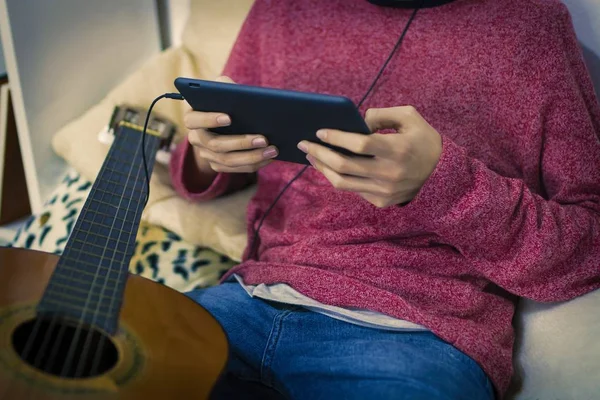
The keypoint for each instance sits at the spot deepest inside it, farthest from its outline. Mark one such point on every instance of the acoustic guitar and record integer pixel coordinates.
(79, 326)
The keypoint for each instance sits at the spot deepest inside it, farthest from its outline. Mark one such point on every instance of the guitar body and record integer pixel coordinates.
(167, 347)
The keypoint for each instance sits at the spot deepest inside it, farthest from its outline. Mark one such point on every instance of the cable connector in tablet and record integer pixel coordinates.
(174, 96)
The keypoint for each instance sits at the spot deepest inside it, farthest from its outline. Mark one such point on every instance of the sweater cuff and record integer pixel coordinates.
(442, 193)
(183, 176)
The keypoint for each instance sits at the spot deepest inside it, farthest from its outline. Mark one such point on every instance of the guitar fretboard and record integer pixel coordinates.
(90, 277)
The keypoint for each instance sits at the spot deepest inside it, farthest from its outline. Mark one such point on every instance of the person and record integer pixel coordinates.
(397, 276)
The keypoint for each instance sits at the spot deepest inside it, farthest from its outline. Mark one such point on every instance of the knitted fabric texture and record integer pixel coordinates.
(513, 207)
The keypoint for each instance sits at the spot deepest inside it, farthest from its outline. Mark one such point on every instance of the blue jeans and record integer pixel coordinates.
(279, 351)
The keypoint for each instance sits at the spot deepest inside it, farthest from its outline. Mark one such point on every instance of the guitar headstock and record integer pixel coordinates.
(134, 117)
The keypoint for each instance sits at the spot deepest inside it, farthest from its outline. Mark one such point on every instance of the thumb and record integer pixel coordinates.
(389, 118)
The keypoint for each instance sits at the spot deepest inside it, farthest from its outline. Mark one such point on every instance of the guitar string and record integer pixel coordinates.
(73, 345)
(59, 338)
(56, 346)
(33, 335)
(98, 353)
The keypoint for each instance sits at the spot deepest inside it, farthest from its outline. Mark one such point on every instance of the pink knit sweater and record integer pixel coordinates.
(513, 207)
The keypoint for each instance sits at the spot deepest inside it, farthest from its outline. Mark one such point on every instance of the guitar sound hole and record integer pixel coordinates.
(57, 349)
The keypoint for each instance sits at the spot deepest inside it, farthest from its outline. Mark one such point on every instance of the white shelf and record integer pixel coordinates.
(4, 96)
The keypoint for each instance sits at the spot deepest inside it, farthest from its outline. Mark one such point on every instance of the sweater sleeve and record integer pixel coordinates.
(543, 246)
(243, 66)
(184, 179)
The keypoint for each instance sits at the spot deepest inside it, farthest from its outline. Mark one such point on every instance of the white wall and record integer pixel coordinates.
(63, 56)
(179, 11)
(586, 18)
(2, 65)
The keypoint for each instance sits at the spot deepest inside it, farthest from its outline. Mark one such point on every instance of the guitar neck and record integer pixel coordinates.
(90, 277)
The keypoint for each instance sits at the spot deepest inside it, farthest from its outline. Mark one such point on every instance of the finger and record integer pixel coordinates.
(243, 169)
(223, 144)
(347, 182)
(355, 142)
(340, 163)
(381, 168)
(205, 120)
(239, 158)
(199, 137)
(389, 118)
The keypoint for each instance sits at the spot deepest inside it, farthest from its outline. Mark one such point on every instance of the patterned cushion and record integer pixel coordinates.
(160, 255)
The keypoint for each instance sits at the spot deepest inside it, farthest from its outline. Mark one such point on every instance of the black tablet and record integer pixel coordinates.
(284, 117)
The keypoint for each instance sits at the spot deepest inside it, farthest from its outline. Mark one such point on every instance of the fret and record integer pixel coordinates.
(126, 151)
(102, 237)
(129, 146)
(82, 218)
(78, 271)
(102, 225)
(93, 304)
(94, 267)
(76, 287)
(87, 226)
(130, 193)
(97, 288)
(121, 160)
(101, 242)
(122, 174)
(119, 176)
(73, 306)
(94, 245)
(104, 221)
(97, 265)
(108, 253)
(81, 291)
(103, 209)
(115, 250)
(74, 282)
(109, 186)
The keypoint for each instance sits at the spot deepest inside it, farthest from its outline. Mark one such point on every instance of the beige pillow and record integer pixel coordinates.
(211, 31)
